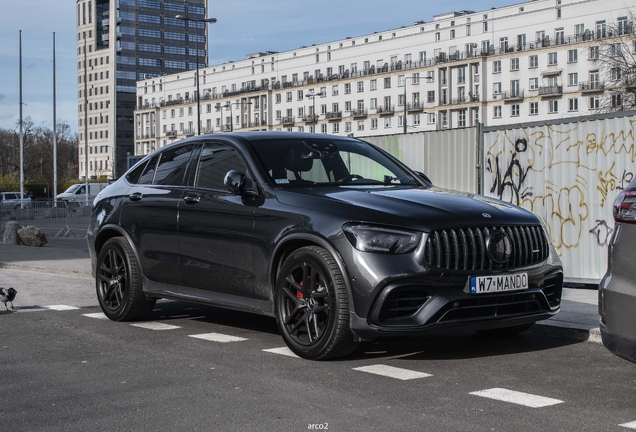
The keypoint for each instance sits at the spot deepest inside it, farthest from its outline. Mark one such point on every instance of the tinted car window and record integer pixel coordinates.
(215, 161)
(172, 166)
(149, 172)
(133, 176)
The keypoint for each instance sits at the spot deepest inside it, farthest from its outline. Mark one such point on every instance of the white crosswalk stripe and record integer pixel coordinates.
(519, 398)
(98, 315)
(155, 326)
(218, 337)
(282, 351)
(392, 372)
(60, 307)
(630, 425)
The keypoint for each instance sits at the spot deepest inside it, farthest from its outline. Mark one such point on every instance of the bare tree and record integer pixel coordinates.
(617, 64)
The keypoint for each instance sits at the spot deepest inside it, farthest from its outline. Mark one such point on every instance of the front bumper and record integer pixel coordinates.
(410, 308)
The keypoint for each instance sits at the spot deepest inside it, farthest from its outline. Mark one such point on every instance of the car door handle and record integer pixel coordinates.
(137, 196)
(192, 199)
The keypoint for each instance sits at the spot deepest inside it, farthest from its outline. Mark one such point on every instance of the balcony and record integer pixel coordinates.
(359, 113)
(287, 120)
(258, 124)
(171, 133)
(592, 87)
(385, 110)
(415, 106)
(310, 118)
(460, 100)
(334, 115)
(550, 91)
(511, 96)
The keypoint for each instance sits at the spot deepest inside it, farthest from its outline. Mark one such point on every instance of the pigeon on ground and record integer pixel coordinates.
(7, 295)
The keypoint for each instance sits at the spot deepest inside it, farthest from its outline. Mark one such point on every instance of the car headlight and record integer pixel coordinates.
(367, 238)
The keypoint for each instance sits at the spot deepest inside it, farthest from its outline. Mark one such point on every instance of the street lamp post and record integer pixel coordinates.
(313, 95)
(196, 34)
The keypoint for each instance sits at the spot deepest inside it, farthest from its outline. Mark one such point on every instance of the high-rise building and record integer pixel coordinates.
(120, 42)
(533, 61)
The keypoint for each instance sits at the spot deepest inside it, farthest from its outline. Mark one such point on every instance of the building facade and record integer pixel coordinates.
(120, 42)
(531, 61)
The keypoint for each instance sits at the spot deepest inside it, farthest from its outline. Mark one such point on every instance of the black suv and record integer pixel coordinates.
(336, 238)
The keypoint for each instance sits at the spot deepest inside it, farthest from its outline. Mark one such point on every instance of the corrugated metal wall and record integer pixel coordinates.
(448, 157)
(568, 174)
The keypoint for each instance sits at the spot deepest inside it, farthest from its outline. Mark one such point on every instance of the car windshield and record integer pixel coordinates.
(327, 162)
(72, 188)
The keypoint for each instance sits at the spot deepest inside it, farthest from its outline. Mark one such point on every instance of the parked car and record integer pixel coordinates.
(12, 200)
(336, 238)
(617, 290)
(77, 193)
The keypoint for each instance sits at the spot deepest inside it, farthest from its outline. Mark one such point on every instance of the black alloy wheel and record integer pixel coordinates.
(119, 285)
(313, 306)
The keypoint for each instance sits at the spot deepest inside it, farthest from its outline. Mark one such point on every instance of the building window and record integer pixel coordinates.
(534, 83)
(437, 36)
(534, 61)
(496, 66)
(360, 125)
(335, 128)
(452, 34)
(573, 56)
(595, 102)
(416, 119)
(387, 82)
(299, 95)
(496, 88)
(496, 111)
(348, 126)
(430, 96)
(617, 100)
(573, 104)
(514, 110)
(534, 108)
(387, 122)
(374, 123)
(278, 98)
(323, 128)
(573, 79)
(288, 96)
(514, 64)
(431, 118)
(616, 74)
(552, 59)
(373, 84)
(593, 52)
(360, 86)
(334, 90)
(461, 118)
(554, 107)
(347, 88)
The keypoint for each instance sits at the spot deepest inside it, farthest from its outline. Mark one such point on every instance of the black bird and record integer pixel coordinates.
(7, 295)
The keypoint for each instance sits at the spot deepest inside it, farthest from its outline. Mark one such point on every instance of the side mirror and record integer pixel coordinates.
(239, 184)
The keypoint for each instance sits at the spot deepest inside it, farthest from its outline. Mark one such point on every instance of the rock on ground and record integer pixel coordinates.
(32, 236)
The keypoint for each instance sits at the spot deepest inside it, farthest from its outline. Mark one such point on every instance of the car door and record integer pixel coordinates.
(149, 213)
(216, 226)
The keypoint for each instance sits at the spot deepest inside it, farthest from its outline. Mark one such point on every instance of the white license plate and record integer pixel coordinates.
(493, 284)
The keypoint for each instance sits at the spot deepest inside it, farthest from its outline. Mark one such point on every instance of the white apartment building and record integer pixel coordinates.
(531, 61)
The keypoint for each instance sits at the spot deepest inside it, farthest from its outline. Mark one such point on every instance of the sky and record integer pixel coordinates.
(243, 27)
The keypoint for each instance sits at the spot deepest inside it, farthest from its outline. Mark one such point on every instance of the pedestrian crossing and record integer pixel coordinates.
(382, 371)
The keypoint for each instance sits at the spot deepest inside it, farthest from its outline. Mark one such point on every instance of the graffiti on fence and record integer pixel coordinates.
(564, 173)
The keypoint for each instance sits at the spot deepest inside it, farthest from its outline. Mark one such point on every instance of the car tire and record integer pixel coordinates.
(312, 305)
(119, 284)
(505, 331)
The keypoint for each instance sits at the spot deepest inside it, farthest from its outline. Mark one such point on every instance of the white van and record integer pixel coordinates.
(77, 193)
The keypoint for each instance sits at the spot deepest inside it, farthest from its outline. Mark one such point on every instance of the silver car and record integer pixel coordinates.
(12, 200)
(617, 290)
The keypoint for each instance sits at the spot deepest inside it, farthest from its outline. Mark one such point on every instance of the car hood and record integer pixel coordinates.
(432, 208)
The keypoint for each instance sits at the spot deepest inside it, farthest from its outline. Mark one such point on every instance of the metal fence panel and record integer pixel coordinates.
(448, 157)
(53, 218)
(568, 173)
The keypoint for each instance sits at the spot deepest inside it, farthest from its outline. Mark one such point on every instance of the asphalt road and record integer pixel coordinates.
(194, 368)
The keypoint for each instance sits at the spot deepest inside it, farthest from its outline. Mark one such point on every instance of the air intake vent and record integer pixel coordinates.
(401, 304)
(467, 248)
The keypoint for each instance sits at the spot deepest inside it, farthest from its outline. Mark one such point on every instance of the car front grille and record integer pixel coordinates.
(467, 248)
